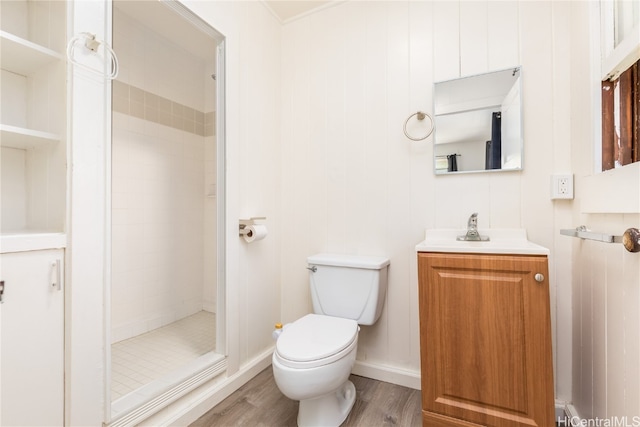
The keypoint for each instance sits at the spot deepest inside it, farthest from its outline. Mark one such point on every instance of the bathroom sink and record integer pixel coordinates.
(502, 241)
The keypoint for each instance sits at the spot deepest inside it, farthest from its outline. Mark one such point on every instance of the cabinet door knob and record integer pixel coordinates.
(539, 277)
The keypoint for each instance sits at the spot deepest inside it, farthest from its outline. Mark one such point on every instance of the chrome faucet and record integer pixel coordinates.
(472, 230)
(472, 227)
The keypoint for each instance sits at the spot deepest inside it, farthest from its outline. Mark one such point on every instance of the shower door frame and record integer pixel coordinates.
(217, 367)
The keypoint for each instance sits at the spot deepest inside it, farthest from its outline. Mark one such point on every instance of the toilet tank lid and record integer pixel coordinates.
(354, 261)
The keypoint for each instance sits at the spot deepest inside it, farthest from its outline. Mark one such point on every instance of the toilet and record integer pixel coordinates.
(315, 354)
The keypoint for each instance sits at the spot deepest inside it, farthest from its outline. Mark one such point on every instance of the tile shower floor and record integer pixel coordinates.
(140, 360)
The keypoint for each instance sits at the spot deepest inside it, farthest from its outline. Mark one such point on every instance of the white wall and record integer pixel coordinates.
(606, 278)
(339, 175)
(352, 182)
(85, 273)
(606, 341)
(253, 286)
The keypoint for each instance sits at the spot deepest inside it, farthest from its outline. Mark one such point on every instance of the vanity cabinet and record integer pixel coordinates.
(485, 339)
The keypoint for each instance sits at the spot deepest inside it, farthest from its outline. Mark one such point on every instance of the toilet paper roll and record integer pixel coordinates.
(255, 232)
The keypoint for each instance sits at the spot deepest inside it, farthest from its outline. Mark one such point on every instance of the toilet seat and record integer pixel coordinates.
(316, 340)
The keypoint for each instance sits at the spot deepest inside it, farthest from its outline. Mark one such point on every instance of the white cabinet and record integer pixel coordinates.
(32, 338)
(33, 200)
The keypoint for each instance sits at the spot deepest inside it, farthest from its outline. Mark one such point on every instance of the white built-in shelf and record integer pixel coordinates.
(23, 57)
(31, 240)
(17, 137)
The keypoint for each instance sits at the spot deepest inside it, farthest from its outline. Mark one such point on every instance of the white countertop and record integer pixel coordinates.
(23, 241)
(502, 241)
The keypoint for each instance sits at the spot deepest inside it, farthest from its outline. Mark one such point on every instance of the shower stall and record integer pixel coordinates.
(164, 201)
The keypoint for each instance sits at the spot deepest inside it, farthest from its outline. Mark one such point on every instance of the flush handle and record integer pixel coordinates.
(1, 291)
(539, 277)
(313, 268)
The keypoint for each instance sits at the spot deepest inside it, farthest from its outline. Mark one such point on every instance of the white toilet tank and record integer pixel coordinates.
(348, 286)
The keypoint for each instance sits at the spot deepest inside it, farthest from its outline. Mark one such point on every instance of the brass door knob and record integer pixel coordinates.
(631, 239)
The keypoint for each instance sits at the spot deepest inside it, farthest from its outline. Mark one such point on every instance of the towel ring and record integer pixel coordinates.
(420, 116)
(91, 43)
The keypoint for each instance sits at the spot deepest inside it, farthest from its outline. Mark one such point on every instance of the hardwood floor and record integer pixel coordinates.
(259, 403)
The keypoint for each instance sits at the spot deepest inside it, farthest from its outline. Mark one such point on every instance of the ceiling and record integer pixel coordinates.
(162, 19)
(289, 9)
(155, 15)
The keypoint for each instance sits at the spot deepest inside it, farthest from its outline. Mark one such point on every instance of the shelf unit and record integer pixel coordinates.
(33, 200)
(33, 124)
(23, 57)
(25, 139)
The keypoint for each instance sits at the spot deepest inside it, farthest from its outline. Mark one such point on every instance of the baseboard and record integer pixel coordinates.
(572, 414)
(566, 414)
(197, 403)
(388, 374)
(192, 406)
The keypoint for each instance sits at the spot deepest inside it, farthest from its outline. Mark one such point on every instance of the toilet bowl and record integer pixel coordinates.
(314, 355)
(312, 363)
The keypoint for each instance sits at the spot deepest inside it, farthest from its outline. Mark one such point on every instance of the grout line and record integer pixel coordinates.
(136, 102)
(140, 360)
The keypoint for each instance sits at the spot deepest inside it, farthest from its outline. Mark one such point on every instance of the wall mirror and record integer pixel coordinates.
(478, 123)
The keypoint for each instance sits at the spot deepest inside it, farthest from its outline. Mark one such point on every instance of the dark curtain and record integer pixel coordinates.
(493, 152)
(487, 155)
(452, 163)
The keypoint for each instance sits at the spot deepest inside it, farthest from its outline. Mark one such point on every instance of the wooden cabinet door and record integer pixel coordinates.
(485, 340)
(32, 339)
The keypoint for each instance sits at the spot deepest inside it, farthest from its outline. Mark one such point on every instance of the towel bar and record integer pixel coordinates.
(630, 238)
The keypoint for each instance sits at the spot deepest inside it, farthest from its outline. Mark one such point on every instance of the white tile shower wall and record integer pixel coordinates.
(157, 225)
(155, 64)
(354, 73)
(163, 172)
(131, 100)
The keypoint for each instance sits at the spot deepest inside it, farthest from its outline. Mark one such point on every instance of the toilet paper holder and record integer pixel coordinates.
(244, 223)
